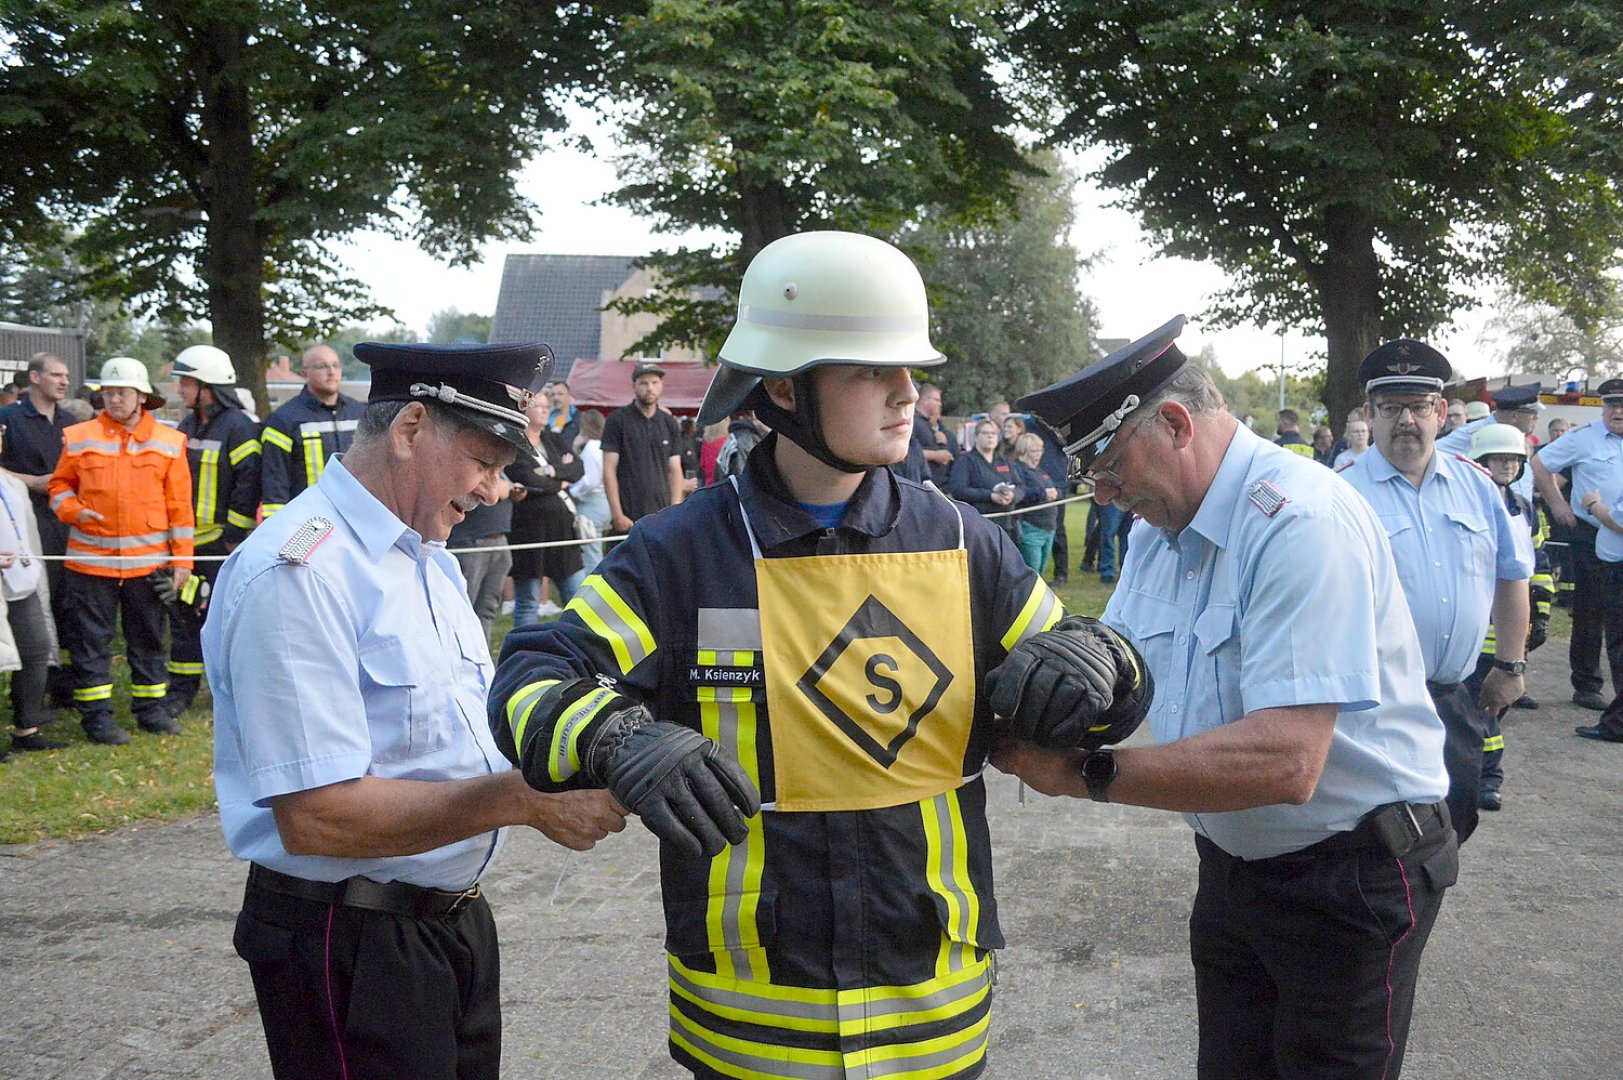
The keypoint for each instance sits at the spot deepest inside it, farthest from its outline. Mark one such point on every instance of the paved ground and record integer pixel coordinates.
(118, 959)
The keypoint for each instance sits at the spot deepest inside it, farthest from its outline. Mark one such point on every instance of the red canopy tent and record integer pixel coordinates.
(606, 384)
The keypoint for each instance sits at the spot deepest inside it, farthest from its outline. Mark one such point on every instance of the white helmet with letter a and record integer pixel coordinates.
(206, 364)
(821, 298)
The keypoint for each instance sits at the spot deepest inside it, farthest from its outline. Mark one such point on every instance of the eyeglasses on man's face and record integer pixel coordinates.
(1391, 410)
(1104, 467)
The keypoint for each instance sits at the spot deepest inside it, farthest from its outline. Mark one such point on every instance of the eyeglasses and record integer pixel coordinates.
(1391, 410)
(1118, 446)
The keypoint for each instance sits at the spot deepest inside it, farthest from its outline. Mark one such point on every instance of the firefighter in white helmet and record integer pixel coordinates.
(816, 630)
(222, 448)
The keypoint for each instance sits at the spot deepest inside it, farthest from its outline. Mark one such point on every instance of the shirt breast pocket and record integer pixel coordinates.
(1400, 537)
(405, 711)
(1476, 543)
(1218, 667)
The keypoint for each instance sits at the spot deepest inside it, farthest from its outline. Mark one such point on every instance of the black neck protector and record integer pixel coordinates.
(804, 426)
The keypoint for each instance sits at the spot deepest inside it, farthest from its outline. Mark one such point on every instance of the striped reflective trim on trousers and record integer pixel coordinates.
(611, 618)
(149, 690)
(184, 667)
(947, 871)
(93, 693)
(929, 1030)
(729, 718)
(1041, 610)
(1492, 743)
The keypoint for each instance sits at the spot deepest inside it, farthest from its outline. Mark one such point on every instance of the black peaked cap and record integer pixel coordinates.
(488, 385)
(1405, 366)
(1517, 397)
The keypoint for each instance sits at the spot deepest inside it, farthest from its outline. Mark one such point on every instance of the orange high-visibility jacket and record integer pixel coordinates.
(141, 485)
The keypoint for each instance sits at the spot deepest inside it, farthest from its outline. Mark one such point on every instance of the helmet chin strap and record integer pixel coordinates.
(804, 426)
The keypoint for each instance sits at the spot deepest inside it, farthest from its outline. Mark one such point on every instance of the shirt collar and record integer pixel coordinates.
(374, 524)
(1227, 490)
(775, 514)
(1382, 470)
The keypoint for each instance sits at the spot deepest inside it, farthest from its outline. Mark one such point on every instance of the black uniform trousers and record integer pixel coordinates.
(1465, 726)
(350, 994)
(94, 606)
(1305, 963)
(1493, 760)
(1611, 721)
(1589, 620)
(186, 638)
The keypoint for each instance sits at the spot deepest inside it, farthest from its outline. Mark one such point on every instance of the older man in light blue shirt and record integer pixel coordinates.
(356, 772)
(1462, 561)
(1290, 715)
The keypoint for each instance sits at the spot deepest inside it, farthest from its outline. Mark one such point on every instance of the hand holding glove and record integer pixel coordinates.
(1079, 685)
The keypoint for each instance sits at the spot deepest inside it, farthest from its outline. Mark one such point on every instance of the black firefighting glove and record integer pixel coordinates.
(1077, 686)
(1538, 631)
(163, 583)
(687, 792)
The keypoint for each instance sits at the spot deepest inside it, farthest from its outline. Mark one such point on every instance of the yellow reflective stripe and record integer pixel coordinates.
(208, 486)
(315, 459)
(279, 439)
(188, 591)
(947, 872)
(722, 693)
(185, 667)
(207, 534)
(732, 914)
(611, 618)
(929, 1059)
(241, 521)
(149, 690)
(741, 1058)
(519, 707)
(1042, 610)
(1492, 743)
(93, 693)
(563, 759)
(244, 451)
(267, 509)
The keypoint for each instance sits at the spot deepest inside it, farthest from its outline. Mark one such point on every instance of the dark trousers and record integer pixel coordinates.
(1061, 552)
(349, 994)
(53, 540)
(93, 607)
(185, 667)
(1611, 721)
(1305, 964)
(1090, 540)
(1493, 736)
(1589, 623)
(1464, 727)
(28, 628)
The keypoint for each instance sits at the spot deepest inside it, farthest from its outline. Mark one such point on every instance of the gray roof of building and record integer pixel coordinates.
(557, 299)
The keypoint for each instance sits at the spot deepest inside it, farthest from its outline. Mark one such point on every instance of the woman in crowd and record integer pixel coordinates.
(590, 500)
(1036, 527)
(28, 635)
(1013, 428)
(1357, 435)
(984, 478)
(543, 512)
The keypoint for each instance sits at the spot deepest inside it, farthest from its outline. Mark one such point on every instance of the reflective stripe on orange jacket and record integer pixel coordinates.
(141, 485)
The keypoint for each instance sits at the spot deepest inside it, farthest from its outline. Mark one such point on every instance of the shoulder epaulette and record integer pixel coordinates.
(303, 542)
(1344, 468)
(1267, 498)
(1477, 465)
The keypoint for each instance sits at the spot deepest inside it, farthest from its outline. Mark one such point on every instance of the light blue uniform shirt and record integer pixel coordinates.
(1246, 610)
(1458, 442)
(1608, 544)
(1452, 539)
(367, 660)
(1596, 457)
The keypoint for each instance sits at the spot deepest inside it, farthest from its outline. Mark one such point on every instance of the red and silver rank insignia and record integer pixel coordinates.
(304, 540)
(1266, 497)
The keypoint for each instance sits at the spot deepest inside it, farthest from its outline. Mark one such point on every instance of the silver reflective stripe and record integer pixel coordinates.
(857, 324)
(204, 444)
(81, 445)
(773, 1069)
(156, 447)
(611, 618)
(922, 1063)
(118, 543)
(122, 562)
(181, 532)
(828, 1013)
(1040, 618)
(735, 629)
(949, 878)
(928, 1004)
(326, 427)
(58, 500)
(738, 855)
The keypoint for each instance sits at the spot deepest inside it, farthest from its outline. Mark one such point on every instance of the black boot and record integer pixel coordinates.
(102, 728)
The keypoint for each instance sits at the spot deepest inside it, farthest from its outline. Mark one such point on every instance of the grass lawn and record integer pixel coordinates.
(86, 788)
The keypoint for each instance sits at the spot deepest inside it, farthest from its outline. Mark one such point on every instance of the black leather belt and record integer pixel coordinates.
(393, 897)
(1395, 829)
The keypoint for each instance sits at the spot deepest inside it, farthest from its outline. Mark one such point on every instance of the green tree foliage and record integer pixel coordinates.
(451, 326)
(1253, 395)
(1353, 165)
(1005, 303)
(769, 117)
(1538, 338)
(210, 150)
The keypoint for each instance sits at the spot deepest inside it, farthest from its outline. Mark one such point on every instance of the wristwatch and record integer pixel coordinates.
(1515, 667)
(1099, 772)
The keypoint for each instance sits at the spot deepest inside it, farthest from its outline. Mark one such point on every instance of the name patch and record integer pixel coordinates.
(723, 675)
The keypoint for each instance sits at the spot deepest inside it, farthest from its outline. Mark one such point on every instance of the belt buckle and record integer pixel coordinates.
(463, 899)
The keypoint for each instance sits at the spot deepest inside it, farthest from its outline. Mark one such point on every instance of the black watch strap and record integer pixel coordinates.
(1099, 772)
(1515, 667)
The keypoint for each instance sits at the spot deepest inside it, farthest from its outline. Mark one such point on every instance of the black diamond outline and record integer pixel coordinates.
(873, 619)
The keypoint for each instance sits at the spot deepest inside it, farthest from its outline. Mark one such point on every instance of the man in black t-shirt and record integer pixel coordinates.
(642, 453)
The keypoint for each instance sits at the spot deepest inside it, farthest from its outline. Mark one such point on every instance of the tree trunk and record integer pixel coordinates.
(234, 249)
(1348, 284)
